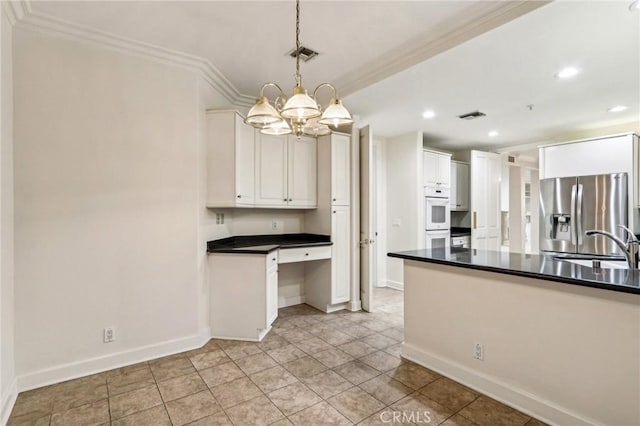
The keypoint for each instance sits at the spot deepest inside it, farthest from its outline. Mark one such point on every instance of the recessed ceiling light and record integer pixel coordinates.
(493, 133)
(617, 108)
(634, 6)
(428, 114)
(568, 72)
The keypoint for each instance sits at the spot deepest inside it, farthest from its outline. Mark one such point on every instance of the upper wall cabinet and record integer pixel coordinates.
(459, 198)
(340, 170)
(437, 169)
(286, 171)
(230, 160)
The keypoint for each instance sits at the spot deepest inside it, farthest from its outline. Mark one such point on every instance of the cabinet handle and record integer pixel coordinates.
(284, 199)
(239, 196)
(273, 260)
(334, 211)
(290, 199)
(306, 254)
(334, 199)
(475, 220)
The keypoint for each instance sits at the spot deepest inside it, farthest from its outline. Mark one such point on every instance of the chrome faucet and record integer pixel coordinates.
(629, 248)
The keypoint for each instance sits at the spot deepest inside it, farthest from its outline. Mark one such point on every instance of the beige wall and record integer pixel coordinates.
(107, 201)
(7, 347)
(563, 353)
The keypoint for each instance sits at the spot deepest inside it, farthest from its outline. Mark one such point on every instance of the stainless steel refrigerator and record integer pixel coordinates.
(570, 206)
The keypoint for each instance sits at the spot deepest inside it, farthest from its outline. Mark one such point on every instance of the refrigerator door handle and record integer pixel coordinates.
(573, 215)
(578, 222)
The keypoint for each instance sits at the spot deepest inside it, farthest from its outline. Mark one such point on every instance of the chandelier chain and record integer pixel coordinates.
(298, 79)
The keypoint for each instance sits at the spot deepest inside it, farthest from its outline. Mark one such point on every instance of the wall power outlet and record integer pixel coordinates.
(478, 351)
(109, 334)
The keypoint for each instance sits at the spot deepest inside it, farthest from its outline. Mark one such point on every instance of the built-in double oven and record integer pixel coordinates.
(437, 217)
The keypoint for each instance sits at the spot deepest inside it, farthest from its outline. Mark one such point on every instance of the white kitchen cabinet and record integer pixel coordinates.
(286, 171)
(243, 294)
(340, 170)
(459, 196)
(340, 260)
(437, 169)
(486, 171)
(302, 173)
(230, 160)
(272, 289)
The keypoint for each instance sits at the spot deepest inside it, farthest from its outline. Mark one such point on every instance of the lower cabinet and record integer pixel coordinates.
(340, 235)
(244, 294)
(272, 291)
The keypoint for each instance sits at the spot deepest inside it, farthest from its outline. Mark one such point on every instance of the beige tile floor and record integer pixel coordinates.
(311, 369)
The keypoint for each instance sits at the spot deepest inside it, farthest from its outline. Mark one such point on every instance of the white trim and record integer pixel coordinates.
(355, 305)
(396, 285)
(283, 302)
(7, 402)
(16, 10)
(263, 332)
(46, 24)
(99, 364)
(519, 399)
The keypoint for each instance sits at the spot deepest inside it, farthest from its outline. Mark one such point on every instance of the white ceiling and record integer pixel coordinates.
(361, 43)
(510, 67)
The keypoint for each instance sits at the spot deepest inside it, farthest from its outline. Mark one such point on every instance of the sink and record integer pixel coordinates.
(604, 264)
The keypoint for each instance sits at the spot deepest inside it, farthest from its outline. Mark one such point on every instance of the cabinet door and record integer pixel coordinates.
(453, 181)
(462, 183)
(272, 292)
(340, 170)
(486, 169)
(245, 163)
(340, 259)
(431, 176)
(271, 170)
(303, 159)
(444, 170)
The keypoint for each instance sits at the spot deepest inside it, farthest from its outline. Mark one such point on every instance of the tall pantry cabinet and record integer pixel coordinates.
(328, 283)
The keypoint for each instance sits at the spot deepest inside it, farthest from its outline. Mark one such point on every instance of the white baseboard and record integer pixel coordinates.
(283, 302)
(99, 364)
(519, 399)
(355, 305)
(7, 402)
(397, 285)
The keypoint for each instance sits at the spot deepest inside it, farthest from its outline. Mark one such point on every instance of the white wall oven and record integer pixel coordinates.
(437, 218)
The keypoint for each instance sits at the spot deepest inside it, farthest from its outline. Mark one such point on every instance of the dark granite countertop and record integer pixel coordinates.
(263, 244)
(544, 267)
(460, 232)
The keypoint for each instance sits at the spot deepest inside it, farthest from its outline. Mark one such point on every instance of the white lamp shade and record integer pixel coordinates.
(278, 128)
(336, 114)
(313, 128)
(300, 106)
(262, 114)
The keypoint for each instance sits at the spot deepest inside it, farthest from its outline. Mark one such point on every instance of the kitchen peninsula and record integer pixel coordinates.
(552, 338)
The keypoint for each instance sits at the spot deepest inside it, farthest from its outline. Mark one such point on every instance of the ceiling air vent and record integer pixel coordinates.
(511, 159)
(306, 54)
(472, 115)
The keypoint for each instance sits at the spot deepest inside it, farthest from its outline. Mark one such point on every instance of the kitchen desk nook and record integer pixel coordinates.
(547, 335)
(243, 278)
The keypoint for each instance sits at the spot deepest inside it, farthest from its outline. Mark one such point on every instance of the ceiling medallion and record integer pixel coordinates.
(300, 114)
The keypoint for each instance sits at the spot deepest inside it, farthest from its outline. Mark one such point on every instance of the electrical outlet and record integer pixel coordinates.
(109, 334)
(219, 218)
(478, 351)
(274, 225)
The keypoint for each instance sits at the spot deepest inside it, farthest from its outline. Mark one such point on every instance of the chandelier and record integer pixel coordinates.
(300, 114)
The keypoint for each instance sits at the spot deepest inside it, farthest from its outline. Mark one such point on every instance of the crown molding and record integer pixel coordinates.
(16, 9)
(23, 17)
(482, 17)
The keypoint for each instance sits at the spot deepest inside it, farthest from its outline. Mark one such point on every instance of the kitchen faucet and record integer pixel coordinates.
(629, 248)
